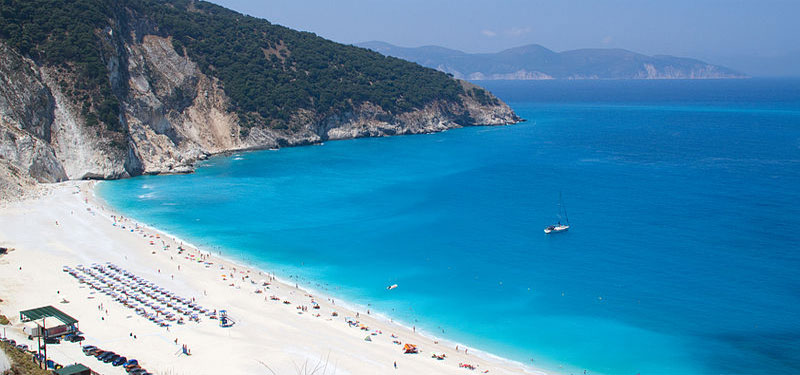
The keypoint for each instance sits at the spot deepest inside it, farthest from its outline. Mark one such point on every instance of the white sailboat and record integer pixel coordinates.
(558, 227)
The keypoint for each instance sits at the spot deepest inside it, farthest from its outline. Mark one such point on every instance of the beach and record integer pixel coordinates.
(66, 225)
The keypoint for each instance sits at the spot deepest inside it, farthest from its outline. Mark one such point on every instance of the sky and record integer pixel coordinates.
(751, 35)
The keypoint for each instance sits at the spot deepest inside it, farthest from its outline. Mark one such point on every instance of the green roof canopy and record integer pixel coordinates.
(74, 369)
(47, 312)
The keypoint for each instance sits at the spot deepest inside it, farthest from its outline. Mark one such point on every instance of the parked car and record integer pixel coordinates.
(22, 347)
(88, 348)
(52, 340)
(12, 342)
(111, 358)
(72, 337)
(130, 367)
(105, 355)
(137, 371)
(119, 361)
(131, 362)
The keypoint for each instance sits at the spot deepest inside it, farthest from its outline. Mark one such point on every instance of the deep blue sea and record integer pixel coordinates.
(683, 196)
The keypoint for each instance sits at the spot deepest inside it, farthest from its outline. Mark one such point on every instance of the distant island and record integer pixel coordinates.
(535, 62)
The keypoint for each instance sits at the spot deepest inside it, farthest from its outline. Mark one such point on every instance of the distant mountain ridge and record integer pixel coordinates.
(535, 62)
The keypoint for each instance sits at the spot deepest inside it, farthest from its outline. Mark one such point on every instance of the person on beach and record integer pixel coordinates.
(395, 365)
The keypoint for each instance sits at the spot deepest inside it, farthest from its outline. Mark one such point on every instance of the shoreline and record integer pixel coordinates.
(346, 304)
(337, 341)
(193, 165)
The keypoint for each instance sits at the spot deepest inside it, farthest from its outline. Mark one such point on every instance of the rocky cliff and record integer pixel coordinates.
(171, 113)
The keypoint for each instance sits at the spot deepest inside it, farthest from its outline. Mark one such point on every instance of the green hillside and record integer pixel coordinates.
(65, 35)
(269, 71)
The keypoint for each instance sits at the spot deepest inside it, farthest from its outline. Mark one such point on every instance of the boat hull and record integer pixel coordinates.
(556, 229)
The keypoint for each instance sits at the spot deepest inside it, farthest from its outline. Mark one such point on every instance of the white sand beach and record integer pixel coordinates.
(67, 226)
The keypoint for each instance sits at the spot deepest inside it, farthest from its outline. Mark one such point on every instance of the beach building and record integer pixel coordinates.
(48, 322)
(76, 369)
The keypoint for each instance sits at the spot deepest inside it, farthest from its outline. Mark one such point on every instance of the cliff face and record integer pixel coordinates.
(172, 114)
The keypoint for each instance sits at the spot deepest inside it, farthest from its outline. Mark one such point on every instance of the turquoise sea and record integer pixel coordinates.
(684, 200)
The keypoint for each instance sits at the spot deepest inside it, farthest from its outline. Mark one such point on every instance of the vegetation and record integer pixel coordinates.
(67, 36)
(21, 362)
(272, 71)
(483, 97)
(269, 71)
(3, 320)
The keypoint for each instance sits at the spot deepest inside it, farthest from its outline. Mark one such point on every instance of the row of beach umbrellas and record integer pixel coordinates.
(148, 299)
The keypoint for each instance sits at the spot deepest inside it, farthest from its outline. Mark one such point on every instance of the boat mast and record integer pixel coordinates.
(561, 205)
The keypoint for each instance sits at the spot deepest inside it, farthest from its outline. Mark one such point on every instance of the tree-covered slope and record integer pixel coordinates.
(66, 36)
(268, 71)
(272, 70)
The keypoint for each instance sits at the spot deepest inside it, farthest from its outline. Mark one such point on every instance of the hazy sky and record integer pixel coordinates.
(715, 30)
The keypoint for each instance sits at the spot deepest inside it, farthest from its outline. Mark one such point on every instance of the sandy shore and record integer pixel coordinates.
(67, 226)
